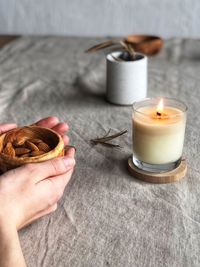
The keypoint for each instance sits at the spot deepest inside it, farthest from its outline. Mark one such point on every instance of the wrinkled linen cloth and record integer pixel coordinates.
(106, 217)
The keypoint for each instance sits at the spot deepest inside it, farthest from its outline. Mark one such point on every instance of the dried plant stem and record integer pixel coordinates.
(106, 138)
(124, 46)
(101, 46)
(131, 51)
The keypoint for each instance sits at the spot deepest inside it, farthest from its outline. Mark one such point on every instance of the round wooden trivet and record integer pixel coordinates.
(159, 178)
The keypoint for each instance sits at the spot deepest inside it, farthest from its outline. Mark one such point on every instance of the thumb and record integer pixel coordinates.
(39, 171)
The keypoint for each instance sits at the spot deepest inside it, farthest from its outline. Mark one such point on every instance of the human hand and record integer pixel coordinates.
(33, 190)
(51, 122)
(61, 128)
(30, 192)
(54, 124)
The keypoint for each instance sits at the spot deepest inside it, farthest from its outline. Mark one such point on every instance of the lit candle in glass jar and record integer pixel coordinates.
(158, 134)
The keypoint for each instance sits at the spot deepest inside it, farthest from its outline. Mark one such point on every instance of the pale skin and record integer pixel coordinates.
(30, 192)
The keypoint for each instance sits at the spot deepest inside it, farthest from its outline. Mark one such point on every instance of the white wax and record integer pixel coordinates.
(158, 140)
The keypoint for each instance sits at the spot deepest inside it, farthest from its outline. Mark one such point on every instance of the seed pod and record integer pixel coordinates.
(25, 155)
(9, 138)
(36, 153)
(43, 147)
(21, 151)
(19, 141)
(36, 141)
(31, 146)
(9, 150)
(26, 131)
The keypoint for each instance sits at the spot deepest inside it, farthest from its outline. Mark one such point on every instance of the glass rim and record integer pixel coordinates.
(154, 98)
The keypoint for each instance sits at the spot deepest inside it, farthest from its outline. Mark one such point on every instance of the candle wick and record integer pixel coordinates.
(158, 113)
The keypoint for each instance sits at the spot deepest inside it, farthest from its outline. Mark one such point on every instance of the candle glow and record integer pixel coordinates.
(160, 107)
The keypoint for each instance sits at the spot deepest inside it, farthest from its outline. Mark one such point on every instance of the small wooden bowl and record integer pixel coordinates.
(50, 137)
(145, 44)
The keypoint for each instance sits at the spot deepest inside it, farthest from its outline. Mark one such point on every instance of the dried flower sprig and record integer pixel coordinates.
(118, 45)
(106, 138)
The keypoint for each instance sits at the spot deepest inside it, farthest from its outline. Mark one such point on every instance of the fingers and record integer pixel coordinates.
(48, 122)
(54, 167)
(47, 192)
(52, 188)
(66, 140)
(39, 171)
(70, 152)
(60, 128)
(7, 127)
(53, 123)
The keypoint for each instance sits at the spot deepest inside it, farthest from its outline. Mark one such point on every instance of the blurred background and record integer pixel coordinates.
(167, 18)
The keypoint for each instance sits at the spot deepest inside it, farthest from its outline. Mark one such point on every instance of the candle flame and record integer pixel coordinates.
(159, 109)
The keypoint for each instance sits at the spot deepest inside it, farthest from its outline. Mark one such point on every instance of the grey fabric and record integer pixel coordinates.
(106, 217)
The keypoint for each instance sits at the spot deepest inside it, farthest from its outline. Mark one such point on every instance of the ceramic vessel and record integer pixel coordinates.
(126, 80)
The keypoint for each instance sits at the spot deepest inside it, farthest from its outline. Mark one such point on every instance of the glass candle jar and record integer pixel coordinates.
(158, 133)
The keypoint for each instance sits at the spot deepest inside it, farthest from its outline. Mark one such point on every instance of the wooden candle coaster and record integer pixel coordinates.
(159, 178)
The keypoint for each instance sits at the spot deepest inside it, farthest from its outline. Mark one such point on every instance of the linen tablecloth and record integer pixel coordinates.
(106, 217)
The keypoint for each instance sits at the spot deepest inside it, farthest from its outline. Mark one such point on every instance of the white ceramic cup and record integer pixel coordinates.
(126, 80)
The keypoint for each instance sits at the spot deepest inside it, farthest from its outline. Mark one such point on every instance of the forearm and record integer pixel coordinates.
(10, 249)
